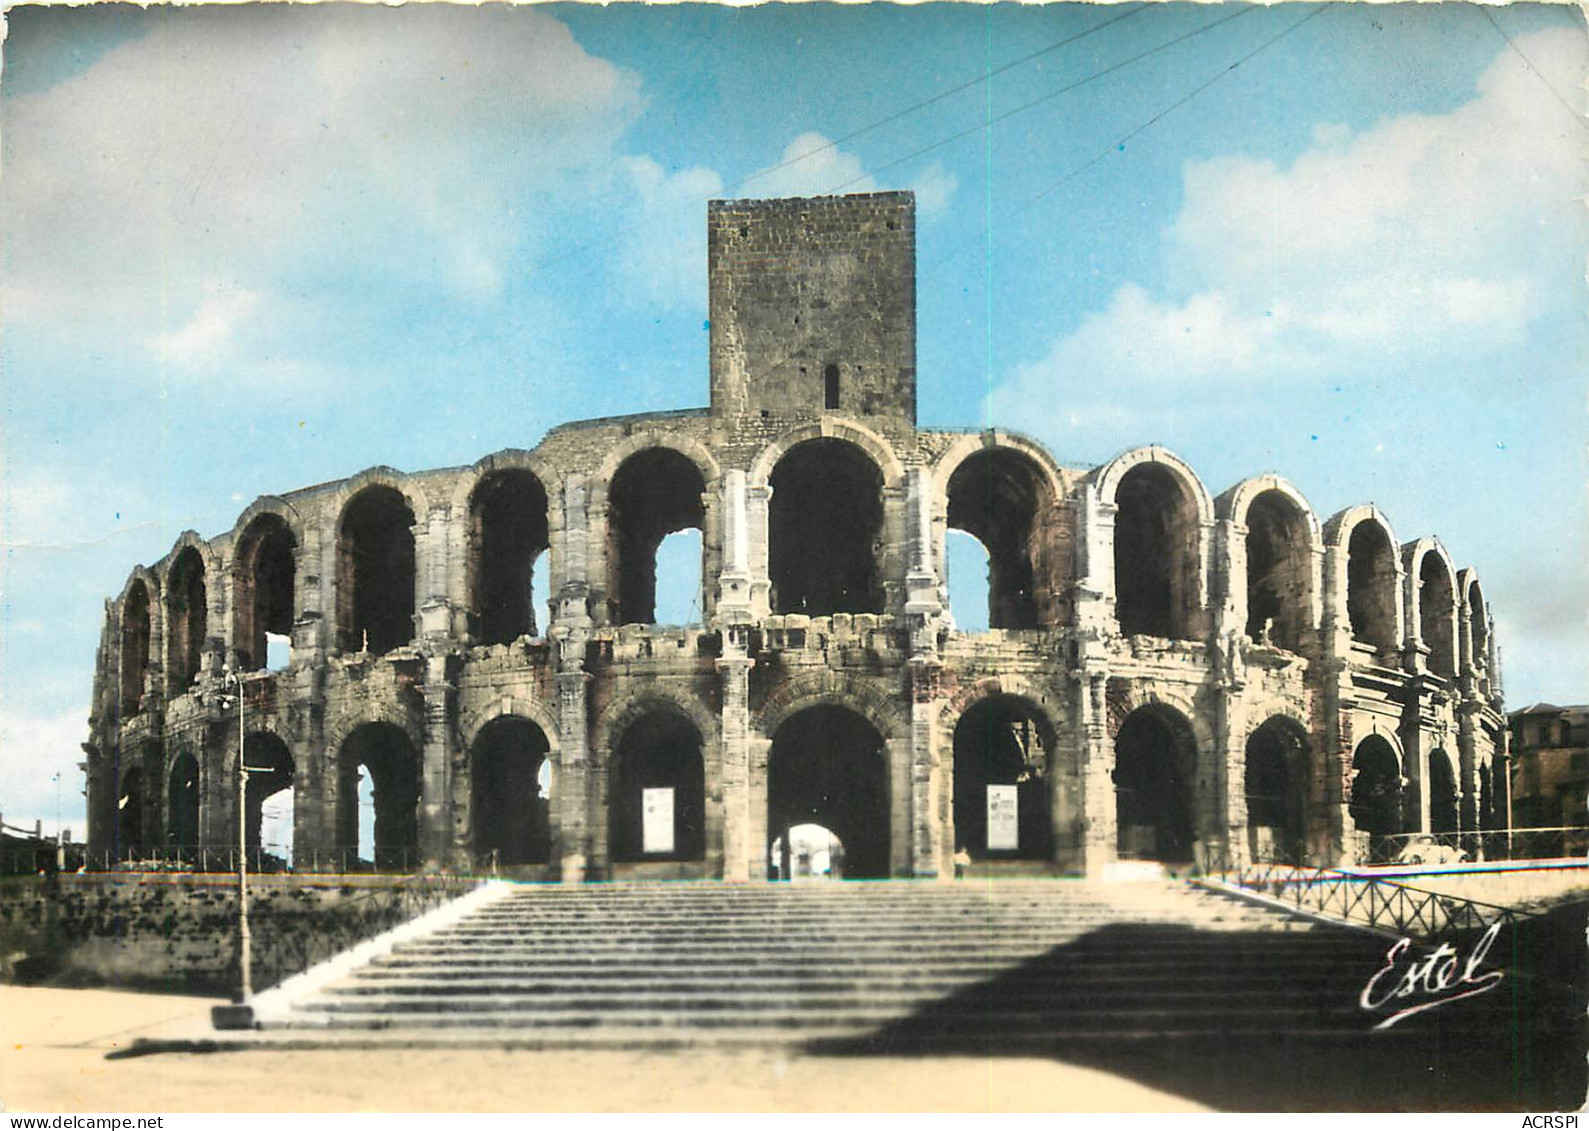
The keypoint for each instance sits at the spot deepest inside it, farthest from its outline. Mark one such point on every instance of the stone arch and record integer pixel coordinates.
(826, 687)
(270, 505)
(539, 712)
(1377, 782)
(381, 605)
(394, 761)
(1126, 697)
(1276, 772)
(510, 819)
(1007, 743)
(1005, 497)
(131, 804)
(1281, 546)
(826, 545)
(1475, 621)
(1367, 578)
(1432, 604)
(183, 792)
(369, 711)
(655, 491)
(830, 427)
(828, 765)
(656, 742)
(1157, 752)
(621, 713)
(264, 584)
(1443, 791)
(188, 571)
(509, 531)
(1162, 516)
(136, 611)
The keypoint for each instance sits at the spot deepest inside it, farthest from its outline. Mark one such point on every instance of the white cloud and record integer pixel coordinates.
(1419, 239)
(281, 146)
(811, 165)
(201, 342)
(935, 189)
(662, 258)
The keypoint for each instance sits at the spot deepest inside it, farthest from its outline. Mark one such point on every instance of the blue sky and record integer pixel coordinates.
(248, 249)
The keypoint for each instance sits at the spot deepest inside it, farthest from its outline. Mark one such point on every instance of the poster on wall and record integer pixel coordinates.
(1004, 832)
(656, 807)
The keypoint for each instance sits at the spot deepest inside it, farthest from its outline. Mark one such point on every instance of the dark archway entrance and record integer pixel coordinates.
(998, 496)
(1279, 571)
(828, 767)
(1155, 554)
(823, 524)
(1276, 784)
(1155, 763)
(1376, 788)
(187, 613)
(270, 772)
(658, 797)
(655, 493)
(384, 753)
(1442, 793)
(1001, 762)
(262, 589)
(1371, 586)
(182, 806)
(508, 532)
(129, 815)
(375, 572)
(135, 635)
(509, 812)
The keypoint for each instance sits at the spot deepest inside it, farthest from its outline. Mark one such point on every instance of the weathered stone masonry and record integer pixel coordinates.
(1168, 675)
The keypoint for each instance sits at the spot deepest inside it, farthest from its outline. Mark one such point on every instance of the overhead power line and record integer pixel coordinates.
(868, 128)
(1529, 63)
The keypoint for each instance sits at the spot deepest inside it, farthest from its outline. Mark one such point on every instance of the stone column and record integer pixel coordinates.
(438, 750)
(1099, 847)
(760, 753)
(1468, 770)
(758, 498)
(570, 633)
(930, 854)
(733, 669)
(923, 603)
(901, 788)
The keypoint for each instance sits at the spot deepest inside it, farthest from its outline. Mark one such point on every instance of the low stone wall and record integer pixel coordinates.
(177, 932)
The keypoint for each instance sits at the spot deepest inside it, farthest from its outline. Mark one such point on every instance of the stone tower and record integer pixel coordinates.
(813, 306)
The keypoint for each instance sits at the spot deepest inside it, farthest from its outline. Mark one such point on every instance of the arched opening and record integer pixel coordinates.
(186, 613)
(966, 567)
(134, 647)
(1436, 614)
(1279, 572)
(657, 800)
(182, 806)
(1276, 782)
(823, 525)
(1478, 626)
(1442, 793)
(1155, 764)
(375, 582)
(263, 585)
(508, 810)
(130, 815)
(381, 755)
(998, 496)
(1376, 788)
(270, 772)
(508, 532)
(827, 767)
(1371, 587)
(1002, 808)
(815, 853)
(1155, 554)
(653, 494)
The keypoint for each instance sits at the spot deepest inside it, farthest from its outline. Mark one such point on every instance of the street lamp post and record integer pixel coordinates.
(239, 1015)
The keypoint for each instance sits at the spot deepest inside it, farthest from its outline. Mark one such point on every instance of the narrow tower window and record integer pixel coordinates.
(830, 387)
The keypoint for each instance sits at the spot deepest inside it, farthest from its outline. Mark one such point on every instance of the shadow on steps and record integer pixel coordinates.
(1275, 1024)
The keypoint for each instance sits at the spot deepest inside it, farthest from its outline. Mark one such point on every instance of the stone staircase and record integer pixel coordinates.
(673, 964)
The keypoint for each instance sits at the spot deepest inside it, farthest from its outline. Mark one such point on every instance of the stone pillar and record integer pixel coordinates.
(757, 499)
(1468, 771)
(931, 855)
(1100, 847)
(733, 669)
(923, 601)
(438, 750)
(901, 789)
(760, 754)
(1095, 567)
(570, 633)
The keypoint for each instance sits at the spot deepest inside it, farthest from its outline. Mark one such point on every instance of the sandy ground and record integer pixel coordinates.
(53, 1046)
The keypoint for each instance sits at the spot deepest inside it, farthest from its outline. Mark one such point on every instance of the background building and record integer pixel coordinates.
(1168, 675)
(1550, 768)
